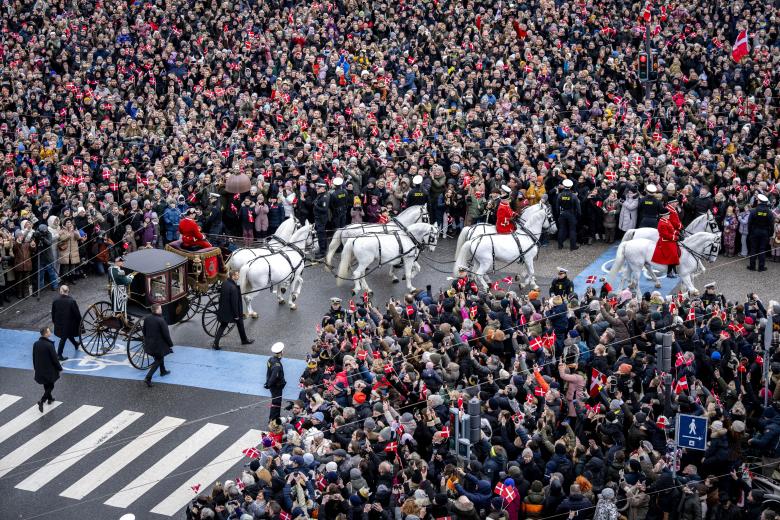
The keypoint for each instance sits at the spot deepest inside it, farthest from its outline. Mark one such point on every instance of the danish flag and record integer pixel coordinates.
(597, 380)
(409, 310)
(661, 422)
(195, 488)
(682, 385)
(692, 314)
(240, 484)
(539, 391)
(506, 279)
(252, 453)
(352, 307)
(591, 279)
(445, 432)
(741, 47)
(392, 447)
(536, 344)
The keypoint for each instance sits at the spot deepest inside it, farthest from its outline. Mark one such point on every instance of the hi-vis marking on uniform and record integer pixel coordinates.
(30, 448)
(79, 450)
(114, 464)
(208, 474)
(165, 466)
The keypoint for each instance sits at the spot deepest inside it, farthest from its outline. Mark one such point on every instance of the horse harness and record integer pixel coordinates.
(281, 251)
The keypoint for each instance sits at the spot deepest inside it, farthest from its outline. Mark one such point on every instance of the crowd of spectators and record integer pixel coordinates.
(575, 413)
(117, 117)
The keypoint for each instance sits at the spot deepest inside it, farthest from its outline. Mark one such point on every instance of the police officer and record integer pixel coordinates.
(649, 208)
(338, 202)
(562, 286)
(568, 212)
(336, 312)
(760, 228)
(274, 380)
(417, 195)
(321, 208)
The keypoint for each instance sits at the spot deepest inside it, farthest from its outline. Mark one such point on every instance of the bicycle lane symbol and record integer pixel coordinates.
(92, 364)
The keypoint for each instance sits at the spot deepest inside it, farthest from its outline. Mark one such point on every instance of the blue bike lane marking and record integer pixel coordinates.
(601, 266)
(190, 366)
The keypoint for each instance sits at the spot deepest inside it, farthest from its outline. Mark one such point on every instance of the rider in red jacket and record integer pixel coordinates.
(674, 218)
(667, 252)
(505, 217)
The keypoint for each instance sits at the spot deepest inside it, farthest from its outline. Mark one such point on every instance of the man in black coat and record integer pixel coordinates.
(157, 342)
(274, 380)
(66, 317)
(231, 310)
(46, 365)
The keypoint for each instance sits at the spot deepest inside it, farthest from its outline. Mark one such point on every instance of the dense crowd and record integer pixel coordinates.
(116, 118)
(119, 118)
(575, 415)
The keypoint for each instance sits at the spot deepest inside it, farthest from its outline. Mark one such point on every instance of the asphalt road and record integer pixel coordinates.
(222, 418)
(295, 327)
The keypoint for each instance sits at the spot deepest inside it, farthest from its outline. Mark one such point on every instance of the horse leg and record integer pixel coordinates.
(248, 300)
(393, 277)
(409, 273)
(295, 290)
(280, 293)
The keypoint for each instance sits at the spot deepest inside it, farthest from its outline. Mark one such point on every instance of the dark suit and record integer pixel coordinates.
(231, 310)
(274, 381)
(67, 318)
(157, 343)
(46, 365)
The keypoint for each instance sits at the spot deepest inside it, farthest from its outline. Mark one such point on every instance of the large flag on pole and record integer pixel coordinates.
(741, 47)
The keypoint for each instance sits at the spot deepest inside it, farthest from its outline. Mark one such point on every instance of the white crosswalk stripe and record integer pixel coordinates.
(30, 448)
(79, 450)
(208, 474)
(24, 420)
(7, 400)
(165, 466)
(116, 462)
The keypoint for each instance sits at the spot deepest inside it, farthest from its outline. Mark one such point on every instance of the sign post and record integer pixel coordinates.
(691, 432)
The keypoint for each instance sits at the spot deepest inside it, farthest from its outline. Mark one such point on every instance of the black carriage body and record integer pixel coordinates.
(160, 277)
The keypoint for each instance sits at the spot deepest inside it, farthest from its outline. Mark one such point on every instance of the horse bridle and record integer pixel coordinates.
(711, 249)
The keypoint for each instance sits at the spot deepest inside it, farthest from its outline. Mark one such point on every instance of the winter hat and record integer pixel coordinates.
(607, 494)
(308, 459)
(331, 466)
(536, 486)
(738, 427)
(509, 482)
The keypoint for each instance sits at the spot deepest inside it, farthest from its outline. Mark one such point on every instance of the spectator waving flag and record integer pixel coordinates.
(682, 385)
(252, 453)
(741, 47)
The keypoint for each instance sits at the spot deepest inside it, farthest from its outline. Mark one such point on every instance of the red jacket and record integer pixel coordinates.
(191, 235)
(505, 218)
(674, 218)
(667, 252)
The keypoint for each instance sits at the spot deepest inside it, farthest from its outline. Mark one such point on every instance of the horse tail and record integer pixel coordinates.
(346, 260)
(463, 255)
(335, 242)
(462, 237)
(629, 235)
(617, 265)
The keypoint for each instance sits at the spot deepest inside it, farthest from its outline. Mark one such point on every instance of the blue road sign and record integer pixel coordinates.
(691, 432)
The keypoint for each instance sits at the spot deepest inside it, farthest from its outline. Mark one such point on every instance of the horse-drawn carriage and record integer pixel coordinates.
(206, 269)
(157, 277)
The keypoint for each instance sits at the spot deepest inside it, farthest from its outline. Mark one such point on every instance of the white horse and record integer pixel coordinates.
(633, 256)
(282, 266)
(241, 256)
(483, 251)
(705, 222)
(407, 217)
(477, 230)
(387, 249)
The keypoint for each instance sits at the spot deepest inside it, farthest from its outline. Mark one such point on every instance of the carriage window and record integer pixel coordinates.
(158, 289)
(177, 282)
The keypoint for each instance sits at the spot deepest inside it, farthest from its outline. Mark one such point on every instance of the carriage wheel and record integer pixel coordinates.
(99, 329)
(209, 318)
(195, 306)
(135, 347)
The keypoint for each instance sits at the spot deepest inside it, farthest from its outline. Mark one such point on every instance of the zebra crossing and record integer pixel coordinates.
(78, 452)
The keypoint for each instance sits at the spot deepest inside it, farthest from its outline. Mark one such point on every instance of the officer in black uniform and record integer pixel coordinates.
(336, 312)
(338, 202)
(760, 228)
(274, 380)
(568, 212)
(649, 208)
(321, 208)
(562, 286)
(417, 195)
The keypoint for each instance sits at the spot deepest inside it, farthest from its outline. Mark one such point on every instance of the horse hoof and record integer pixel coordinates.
(403, 277)
(283, 290)
(253, 315)
(293, 306)
(395, 280)
(658, 285)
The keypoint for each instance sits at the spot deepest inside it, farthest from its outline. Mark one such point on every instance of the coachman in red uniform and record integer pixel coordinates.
(674, 218)
(505, 216)
(667, 252)
(191, 237)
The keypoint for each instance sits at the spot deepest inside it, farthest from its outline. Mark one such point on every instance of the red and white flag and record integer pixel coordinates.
(392, 447)
(692, 314)
(662, 422)
(741, 47)
(682, 385)
(597, 380)
(352, 307)
(536, 344)
(252, 453)
(591, 279)
(240, 484)
(646, 12)
(195, 488)
(445, 432)
(507, 279)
